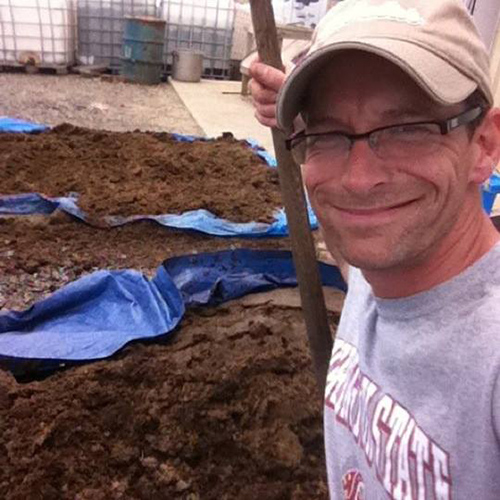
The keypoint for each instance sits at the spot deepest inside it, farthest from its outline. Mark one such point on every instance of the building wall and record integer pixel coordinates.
(495, 66)
(486, 14)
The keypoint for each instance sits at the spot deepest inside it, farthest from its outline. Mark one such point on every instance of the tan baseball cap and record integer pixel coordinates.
(434, 41)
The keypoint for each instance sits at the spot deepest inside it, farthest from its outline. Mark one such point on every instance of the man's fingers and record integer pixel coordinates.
(269, 77)
(265, 113)
(261, 94)
(265, 84)
(266, 110)
(268, 122)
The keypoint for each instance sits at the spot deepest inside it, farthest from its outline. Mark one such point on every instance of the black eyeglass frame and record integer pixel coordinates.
(445, 127)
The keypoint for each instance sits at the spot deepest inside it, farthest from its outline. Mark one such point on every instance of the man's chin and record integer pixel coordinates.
(372, 258)
(371, 264)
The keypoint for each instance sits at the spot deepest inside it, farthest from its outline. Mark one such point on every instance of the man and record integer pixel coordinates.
(399, 133)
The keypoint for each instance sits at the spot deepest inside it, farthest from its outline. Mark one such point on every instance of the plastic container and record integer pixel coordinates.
(142, 60)
(187, 65)
(37, 32)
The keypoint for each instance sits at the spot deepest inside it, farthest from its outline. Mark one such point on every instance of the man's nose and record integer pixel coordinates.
(363, 170)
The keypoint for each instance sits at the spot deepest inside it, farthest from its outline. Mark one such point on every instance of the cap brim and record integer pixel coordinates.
(429, 71)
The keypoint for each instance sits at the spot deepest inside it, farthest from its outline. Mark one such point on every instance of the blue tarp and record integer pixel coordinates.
(195, 220)
(490, 190)
(213, 278)
(26, 204)
(14, 125)
(494, 184)
(93, 317)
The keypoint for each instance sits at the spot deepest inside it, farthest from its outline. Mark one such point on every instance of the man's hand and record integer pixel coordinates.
(265, 84)
(264, 87)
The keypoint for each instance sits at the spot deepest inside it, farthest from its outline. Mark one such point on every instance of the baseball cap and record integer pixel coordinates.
(434, 41)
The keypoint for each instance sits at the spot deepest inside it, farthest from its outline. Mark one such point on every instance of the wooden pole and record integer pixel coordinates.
(304, 255)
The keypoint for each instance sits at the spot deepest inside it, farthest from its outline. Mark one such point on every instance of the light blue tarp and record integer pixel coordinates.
(195, 220)
(14, 125)
(93, 317)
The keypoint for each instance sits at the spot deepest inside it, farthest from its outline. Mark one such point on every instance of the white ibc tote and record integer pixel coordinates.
(38, 32)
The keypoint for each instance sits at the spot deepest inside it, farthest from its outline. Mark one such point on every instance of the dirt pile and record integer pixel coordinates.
(129, 173)
(227, 410)
(224, 409)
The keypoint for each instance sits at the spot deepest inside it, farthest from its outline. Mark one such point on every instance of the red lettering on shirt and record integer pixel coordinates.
(406, 462)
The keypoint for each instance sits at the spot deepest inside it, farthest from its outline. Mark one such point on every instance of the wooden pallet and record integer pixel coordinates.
(52, 69)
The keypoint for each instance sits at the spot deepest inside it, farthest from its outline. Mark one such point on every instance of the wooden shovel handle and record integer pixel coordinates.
(304, 255)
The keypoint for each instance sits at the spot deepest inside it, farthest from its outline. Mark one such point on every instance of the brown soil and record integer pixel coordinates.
(227, 410)
(40, 254)
(128, 173)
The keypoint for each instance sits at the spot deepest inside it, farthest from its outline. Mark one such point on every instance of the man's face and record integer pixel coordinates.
(380, 213)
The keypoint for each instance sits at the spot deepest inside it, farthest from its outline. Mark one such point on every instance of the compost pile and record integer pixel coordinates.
(227, 410)
(141, 173)
(224, 408)
(40, 254)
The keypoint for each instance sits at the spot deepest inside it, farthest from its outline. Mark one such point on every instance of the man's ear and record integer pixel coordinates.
(486, 140)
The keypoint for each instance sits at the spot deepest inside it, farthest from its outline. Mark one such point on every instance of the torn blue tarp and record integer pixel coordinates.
(26, 204)
(194, 220)
(14, 125)
(93, 317)
(213, 278)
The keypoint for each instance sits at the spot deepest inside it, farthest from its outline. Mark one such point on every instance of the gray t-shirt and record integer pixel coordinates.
(412, 407)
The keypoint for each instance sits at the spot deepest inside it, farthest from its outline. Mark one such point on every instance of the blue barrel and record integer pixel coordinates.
(142, 59)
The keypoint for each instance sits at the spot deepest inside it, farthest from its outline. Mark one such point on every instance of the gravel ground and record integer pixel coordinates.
(94, 103)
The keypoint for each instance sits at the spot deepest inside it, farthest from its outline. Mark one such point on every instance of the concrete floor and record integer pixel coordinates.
(218, 106)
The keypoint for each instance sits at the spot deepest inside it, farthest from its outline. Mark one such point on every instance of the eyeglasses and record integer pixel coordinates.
(395, 142)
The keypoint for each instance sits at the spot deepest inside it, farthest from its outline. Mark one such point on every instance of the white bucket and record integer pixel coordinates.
(187, 65)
